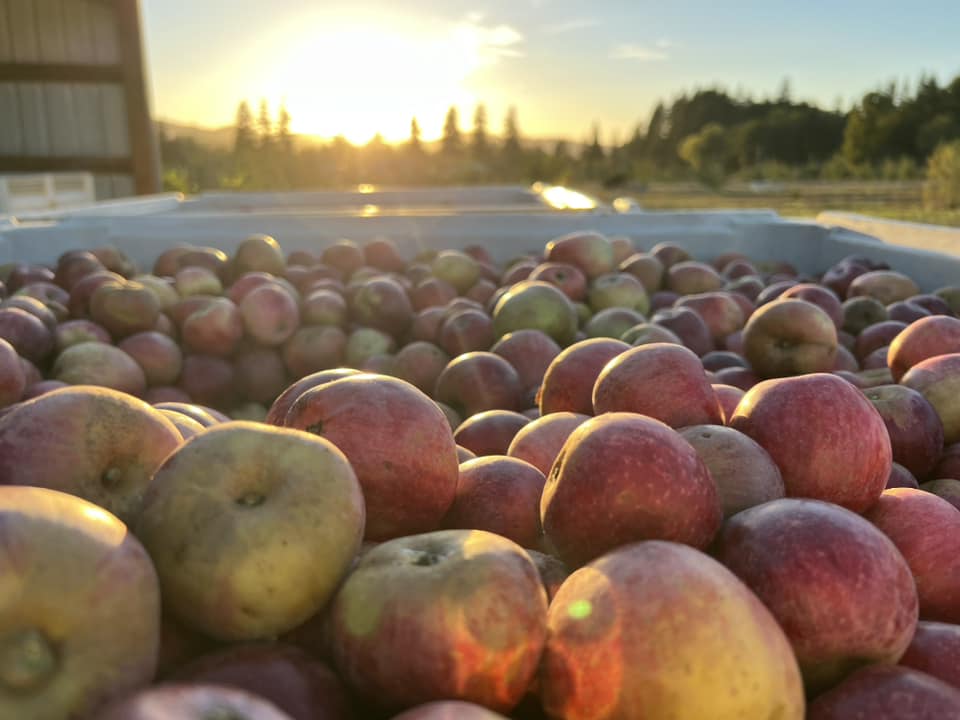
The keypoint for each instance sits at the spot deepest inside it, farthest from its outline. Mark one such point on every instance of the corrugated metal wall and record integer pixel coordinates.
(83, 119)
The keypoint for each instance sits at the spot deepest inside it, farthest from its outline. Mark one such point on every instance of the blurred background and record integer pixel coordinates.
(790, 106)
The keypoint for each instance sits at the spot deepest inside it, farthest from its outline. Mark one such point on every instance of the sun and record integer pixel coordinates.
(358, 79)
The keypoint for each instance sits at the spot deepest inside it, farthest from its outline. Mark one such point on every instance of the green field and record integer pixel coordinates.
(895, 200)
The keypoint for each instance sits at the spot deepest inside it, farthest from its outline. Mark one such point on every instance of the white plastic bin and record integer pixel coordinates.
(26, 193)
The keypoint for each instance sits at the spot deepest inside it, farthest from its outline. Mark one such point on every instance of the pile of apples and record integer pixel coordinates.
(588, 483)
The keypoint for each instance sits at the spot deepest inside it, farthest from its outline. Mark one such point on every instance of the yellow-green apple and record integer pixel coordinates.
(270, 314)
(456, 268)
(926, 338)
(785, 416)
(13, 380)
(501, 495)
(27, 333)
(95, 443)
(843, 609)
(729, 396)
(536, 305)
(663, 381)
(259, 253)
(617, 290)
(161, 287)
(80, 624)
(363, 343)
(646, 268)
(96, 363)
(260, 374)
(926, 530)
(191, 702)
(935, 650)
(790, 337)
(744, 472)
(686, 324)
(622, 248)
(612, 322)
(159, 356)
(313, 348)
(823, 297)
(623, 477)
(887, 286)
(291, 507)
(570, 377)
(589, 251)
(490, 432)
(465, 609)
(669, 253)
(74, 332)
(569, 278)
(938, 379)
(628, 634)
(720, 311)
(884, 692)
(479, 381)
(323, 307)
(862, 312)
(398, 442)
(285, 675)
(124, 308)
(208, 380)
(916, 433)
(466, 331)
(690, 277)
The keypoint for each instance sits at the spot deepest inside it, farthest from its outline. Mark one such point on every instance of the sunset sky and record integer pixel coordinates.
(356, 68)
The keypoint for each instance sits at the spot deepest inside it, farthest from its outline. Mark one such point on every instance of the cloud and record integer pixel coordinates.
(641, 53)
(665, 44)
(570, 25)
(489, 42)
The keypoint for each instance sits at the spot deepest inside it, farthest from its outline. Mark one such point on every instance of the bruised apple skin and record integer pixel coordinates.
(96, 443)
(80, 620)
(664, 628)
(251, 528)
(465, 609)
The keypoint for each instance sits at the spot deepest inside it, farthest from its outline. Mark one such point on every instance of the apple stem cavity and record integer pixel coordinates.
(27, 660)
(251, 499)
(111, 478)
(316, 428)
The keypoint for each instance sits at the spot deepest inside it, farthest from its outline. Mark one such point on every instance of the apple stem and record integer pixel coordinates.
(27, 660)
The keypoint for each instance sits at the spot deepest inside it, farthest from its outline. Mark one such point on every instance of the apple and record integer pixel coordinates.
(938, 380)
(215, 329)
(398, 442)
(926, 530)
(282, 518)
(729, 396)
(630, 635)
(839, 277)
(466, 331)
(191, 702)
(923, 339)
(27, 333)
(95, 363)
(617, 290)
(900, 477)
(862, 312)
(420, 364)
(950, 294)
(916, 433)
(258, 253)
(648, 333)
(465, 609)
(846, 461)
(13, 380)
(449, 710)
(887, 286)
(790, 337)
(540, 441)
(720, 311)
(569, 380)
(270, 314)
(207, 258)
(195, 280)
(854, 605)
(456, 268)
(432, 292)
(537, 305)
(186, 426)
(383, 254)
(662, 381)
(500, 495)
(688, 326)
(948, 466)
(744, 472)
(313, 348)
(73, 266)
(187, 306)
(738, 268)
(518, 271)
(750, 286)
(83, 625)
(663, 299)
(823, 297)
(489, 432)
(907, 311)
(363, 343)
(877, 360)
(34, 307)
(323, 307)
(932, 303)
(162, 288)
(883, 692)
(935, 650)
(669, 253)
(530, 352)
(208, 380)
(202, 415)
(947, 488)
(382, 303)
(774, 290)
(73, 332)
(41, 387)
(568, 278)
(622, 477)
(720, 359)
(260, 374)
(158, 356)
(591, 252)
(690, 277)
(481, 291)
(878, 335)
(478, 381)
(278, 411)
(22, 274)
(612, 322)
(646, 268)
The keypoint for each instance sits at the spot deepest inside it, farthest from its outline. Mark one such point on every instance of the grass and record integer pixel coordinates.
(894, 200)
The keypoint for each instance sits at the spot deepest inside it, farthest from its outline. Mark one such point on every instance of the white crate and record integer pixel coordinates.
(29, 193)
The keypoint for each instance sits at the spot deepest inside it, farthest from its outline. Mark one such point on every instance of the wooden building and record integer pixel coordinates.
(74, 93)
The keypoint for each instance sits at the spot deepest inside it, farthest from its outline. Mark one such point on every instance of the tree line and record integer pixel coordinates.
(709, 135)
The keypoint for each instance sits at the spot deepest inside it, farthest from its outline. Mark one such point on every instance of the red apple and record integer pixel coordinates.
(500, 495)
(938, 380)
(344, 255)
(382, 303)
(34, 307)
(688, 326)
(720, 311)
(530, 352)
(841, 609)
(646, 268)
(790, 337)
(591, 252)
(208, 380)
(569, 278)
(41, 388)
(191, 702)
(466, 331)
(278, 411)
(924, 339)
(540, 441)
(569, 380)
(916, 433)
(259, 253)
(628, 636)
(882, 692)
(926, 530)
(95, 363)
(13, 380)
(160, 357)
(901, 477)
(662, 381)
(669, 253)
(906, 311)
(774, 290)
(432, 292)
(313, 348)
(27, 333)
(935, 650)
(691, 277)
(22, 274)
(479, 381)
(398, 442)
(270, 314)
(260, 374)
(823, 297)
(877, 335)
(73, 266)
(623, 477)
(489, 432)
(73, 332)
(215, 329)
(846, 461)
(720, 359)
(465, 609)
(839, 277)
(729, 396)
